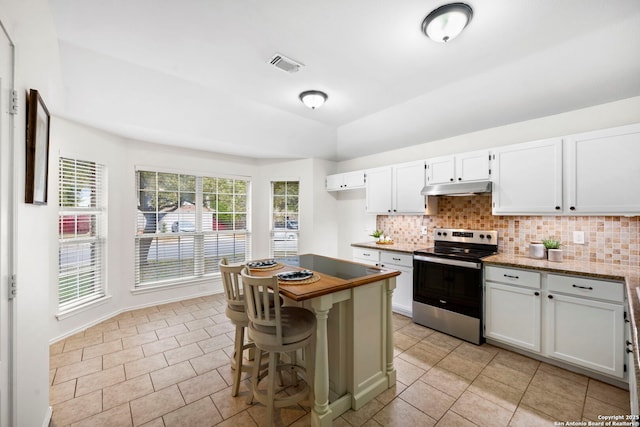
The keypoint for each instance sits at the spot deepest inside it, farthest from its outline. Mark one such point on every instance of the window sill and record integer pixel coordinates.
(81, 308)
(173, 285)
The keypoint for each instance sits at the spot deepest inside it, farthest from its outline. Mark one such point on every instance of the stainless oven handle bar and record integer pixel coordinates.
(447, 261)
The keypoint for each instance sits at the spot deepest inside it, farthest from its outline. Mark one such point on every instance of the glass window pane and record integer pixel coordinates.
(241, 187)
(225, 203)
(292, 188)
(187, 183)
(279, 188)
(225, 185)
(168, 182)
(209, 185)
(147, 180)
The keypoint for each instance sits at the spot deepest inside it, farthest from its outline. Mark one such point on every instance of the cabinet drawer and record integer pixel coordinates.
(366, 254)
(396, 258)
(530, 279)
(582, 286)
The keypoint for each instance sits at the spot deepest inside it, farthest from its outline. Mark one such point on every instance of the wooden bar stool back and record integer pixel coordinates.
(236, 312)
(278, 329)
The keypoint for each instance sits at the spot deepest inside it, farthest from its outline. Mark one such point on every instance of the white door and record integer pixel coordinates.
(603, 172)
(586, 333)
(379, 191)
(527, 178)
(441, 170)
(6, 123)
(512, 315)
(472, 166)
(408, 181)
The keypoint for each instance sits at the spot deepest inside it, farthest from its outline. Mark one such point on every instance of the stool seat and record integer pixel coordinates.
(297, 325)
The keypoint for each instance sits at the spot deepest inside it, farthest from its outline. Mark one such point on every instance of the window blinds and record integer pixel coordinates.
(81, 232)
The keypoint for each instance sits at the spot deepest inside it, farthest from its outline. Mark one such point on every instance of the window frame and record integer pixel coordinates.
(287, 230)
(97, 212)
(202, 271)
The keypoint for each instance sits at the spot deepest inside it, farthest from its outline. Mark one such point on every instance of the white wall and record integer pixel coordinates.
(30, 25)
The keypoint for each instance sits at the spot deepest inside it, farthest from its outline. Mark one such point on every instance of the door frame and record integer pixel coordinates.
(7, 228)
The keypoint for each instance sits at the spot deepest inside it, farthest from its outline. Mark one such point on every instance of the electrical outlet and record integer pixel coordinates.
(578, 237)
(424, 230)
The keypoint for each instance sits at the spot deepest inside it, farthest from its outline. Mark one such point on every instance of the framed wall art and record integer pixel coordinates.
(37, 155)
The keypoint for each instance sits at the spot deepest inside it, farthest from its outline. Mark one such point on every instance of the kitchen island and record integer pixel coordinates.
(354, 331)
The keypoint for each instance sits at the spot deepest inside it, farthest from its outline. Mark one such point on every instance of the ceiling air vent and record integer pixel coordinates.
(285, 64)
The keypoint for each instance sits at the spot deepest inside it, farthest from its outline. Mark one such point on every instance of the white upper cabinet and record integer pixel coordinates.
(593, 173)
(527, 178)
(379, 183)
(602, 173)
(472, 166)
(408, 181)
(345, 181)
(396, 189)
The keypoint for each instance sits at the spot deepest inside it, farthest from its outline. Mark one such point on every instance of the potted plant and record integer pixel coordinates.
(554, 253)
(378, 234)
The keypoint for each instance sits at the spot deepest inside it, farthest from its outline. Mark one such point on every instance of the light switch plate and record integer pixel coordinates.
(424, 230)
(578, 237)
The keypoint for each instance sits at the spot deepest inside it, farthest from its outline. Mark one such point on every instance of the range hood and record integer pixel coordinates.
(457, 188)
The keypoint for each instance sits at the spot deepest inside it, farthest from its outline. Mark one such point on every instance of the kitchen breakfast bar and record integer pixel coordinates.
(354, 331)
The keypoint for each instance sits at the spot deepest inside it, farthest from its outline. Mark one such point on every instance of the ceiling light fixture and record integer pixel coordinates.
(447, 22)
(313, 98)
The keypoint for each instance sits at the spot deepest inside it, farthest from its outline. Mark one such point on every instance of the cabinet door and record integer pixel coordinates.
(527, 178)
(402, 300)
(603, 171)
(586, 333)
(473, 166)
(353, 180)
(366, 256)
(512, 315)
(334, 182)
(379, 191)
(441, 170)
(408, 181)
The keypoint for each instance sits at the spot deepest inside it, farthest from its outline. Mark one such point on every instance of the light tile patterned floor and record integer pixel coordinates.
(168, 365)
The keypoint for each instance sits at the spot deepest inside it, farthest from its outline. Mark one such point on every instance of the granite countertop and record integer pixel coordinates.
(407, 248)
(630, 275)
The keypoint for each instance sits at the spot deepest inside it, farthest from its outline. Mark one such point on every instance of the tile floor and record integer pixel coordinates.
(168, 365)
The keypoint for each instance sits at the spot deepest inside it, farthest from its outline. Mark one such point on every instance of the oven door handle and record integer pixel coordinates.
(446, 261)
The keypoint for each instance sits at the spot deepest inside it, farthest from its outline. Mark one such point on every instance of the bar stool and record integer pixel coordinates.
(277, 330)
(235, 311)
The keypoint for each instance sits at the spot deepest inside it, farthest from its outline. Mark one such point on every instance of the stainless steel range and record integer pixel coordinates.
(447, 282)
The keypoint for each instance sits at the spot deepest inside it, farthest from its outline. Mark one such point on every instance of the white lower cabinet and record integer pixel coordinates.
(513, 315)
(402, 300)
(585, 331)
(573, 319)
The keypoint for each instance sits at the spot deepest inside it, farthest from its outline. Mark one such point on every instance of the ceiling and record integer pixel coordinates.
(196, 73)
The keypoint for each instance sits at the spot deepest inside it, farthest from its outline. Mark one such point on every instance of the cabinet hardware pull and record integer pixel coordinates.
(573, 208)
(366, 254)
(589, 288)
(442, 301)
(629, 351)
(557, 208)
(450, 179)
(396, 259)
(536, 293)
(550, 297)
(459, 179)
(629, 342)
(511, 277)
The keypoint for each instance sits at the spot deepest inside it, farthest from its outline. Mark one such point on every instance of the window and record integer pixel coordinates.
(81, 233)
(186, 224)
(284, 218)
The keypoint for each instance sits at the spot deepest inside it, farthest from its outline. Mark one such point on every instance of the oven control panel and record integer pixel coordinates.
(465, 236)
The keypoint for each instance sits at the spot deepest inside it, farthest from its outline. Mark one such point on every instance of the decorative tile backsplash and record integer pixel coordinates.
(608, 239)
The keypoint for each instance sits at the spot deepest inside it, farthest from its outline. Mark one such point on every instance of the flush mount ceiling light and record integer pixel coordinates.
(313, 98)
(447, 22)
